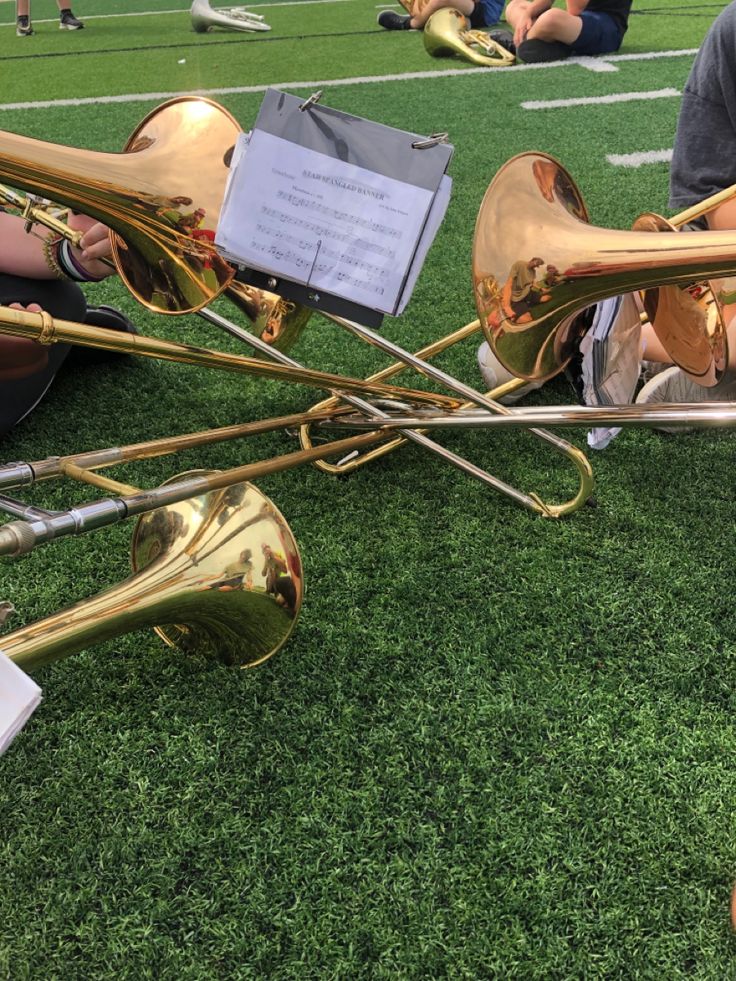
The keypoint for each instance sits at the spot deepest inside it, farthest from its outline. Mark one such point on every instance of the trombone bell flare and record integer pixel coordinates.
(161, 197)
(219, 574)
(688, 320)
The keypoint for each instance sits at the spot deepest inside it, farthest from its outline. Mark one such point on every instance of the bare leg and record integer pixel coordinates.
(652, 349)
(421, 16)
(553, 24)
(556, 25)
(23, 8)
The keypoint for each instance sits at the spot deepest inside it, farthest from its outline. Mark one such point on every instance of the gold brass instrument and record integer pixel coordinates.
(44, 329)
(163, 246)
(447, 32)
(219, 574)
(283, 324)
(532, 324)
(204, 18)
(690, 321)
(705, 415)
(149, 227)
(276, 321)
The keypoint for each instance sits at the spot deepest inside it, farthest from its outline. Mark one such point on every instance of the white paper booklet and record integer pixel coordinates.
(19, 697)
(322, 222)
(610, 366)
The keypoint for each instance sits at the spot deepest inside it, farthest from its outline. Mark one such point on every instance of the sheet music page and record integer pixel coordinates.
(321, 222)
(19, 697)
(434, 220)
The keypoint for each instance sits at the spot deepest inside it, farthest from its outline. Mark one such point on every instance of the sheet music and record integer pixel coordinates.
(322, 222)
(19, 697)
(434, 220)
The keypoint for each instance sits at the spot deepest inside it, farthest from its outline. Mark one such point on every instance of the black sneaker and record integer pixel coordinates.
(534, 51)
(112, 319)
(23, 26)
(389, 20)
(68, 22)
(504, 38)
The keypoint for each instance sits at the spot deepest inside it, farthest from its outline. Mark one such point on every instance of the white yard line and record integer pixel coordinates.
(596, 100)
(639, 159)
(337, 82)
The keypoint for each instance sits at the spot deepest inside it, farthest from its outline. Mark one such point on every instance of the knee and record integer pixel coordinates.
(512, 10)
(547, 25)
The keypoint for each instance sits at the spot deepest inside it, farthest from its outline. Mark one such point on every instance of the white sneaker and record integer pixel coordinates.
(494, 375)
(673, 385)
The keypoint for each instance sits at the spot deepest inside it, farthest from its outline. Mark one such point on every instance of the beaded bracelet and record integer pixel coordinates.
(51, 255)
(71, 267)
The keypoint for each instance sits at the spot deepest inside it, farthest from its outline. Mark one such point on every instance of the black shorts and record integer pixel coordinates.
(62, 299)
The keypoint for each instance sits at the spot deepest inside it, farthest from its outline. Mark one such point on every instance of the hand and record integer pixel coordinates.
(94, 246)
(30, 307)
(523, 27)
(20, 357)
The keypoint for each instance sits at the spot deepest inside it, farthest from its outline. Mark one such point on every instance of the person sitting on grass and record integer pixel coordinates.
(24, 28)
(483, 13)
(543, 32)
(42, 274)
(703, 163)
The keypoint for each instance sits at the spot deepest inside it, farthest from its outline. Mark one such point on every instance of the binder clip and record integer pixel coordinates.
(311, 101)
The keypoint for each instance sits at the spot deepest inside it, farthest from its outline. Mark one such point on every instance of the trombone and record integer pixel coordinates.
(536, 339)
(171, 236)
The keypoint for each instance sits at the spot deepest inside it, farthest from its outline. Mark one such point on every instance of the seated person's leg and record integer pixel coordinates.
(550, 37)
(599, 35)
(28, 368)
(421, 12)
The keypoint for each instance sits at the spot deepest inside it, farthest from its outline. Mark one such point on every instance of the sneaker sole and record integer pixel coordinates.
(71, 27)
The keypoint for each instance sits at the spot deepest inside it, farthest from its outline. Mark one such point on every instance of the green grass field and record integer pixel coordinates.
(495, 746)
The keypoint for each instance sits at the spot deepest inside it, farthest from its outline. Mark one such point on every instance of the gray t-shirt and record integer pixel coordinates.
(704, 157)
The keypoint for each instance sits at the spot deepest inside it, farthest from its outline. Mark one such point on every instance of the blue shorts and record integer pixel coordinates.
(486, 13)
(600, 34)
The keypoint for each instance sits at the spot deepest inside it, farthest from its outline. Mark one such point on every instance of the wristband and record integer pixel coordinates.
(71, 267)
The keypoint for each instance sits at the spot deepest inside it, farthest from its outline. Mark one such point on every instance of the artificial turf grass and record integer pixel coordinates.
(304, 44)
(495, 746)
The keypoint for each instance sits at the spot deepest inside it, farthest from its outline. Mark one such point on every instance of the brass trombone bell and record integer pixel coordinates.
(687, 320)
(537, 263)
(161, 197)
(275, 320)
(219, 574)
(447, 32)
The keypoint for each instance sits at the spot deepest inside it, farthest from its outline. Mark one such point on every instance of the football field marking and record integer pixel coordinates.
(639, 159)
(297, 84)
(597, 100)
